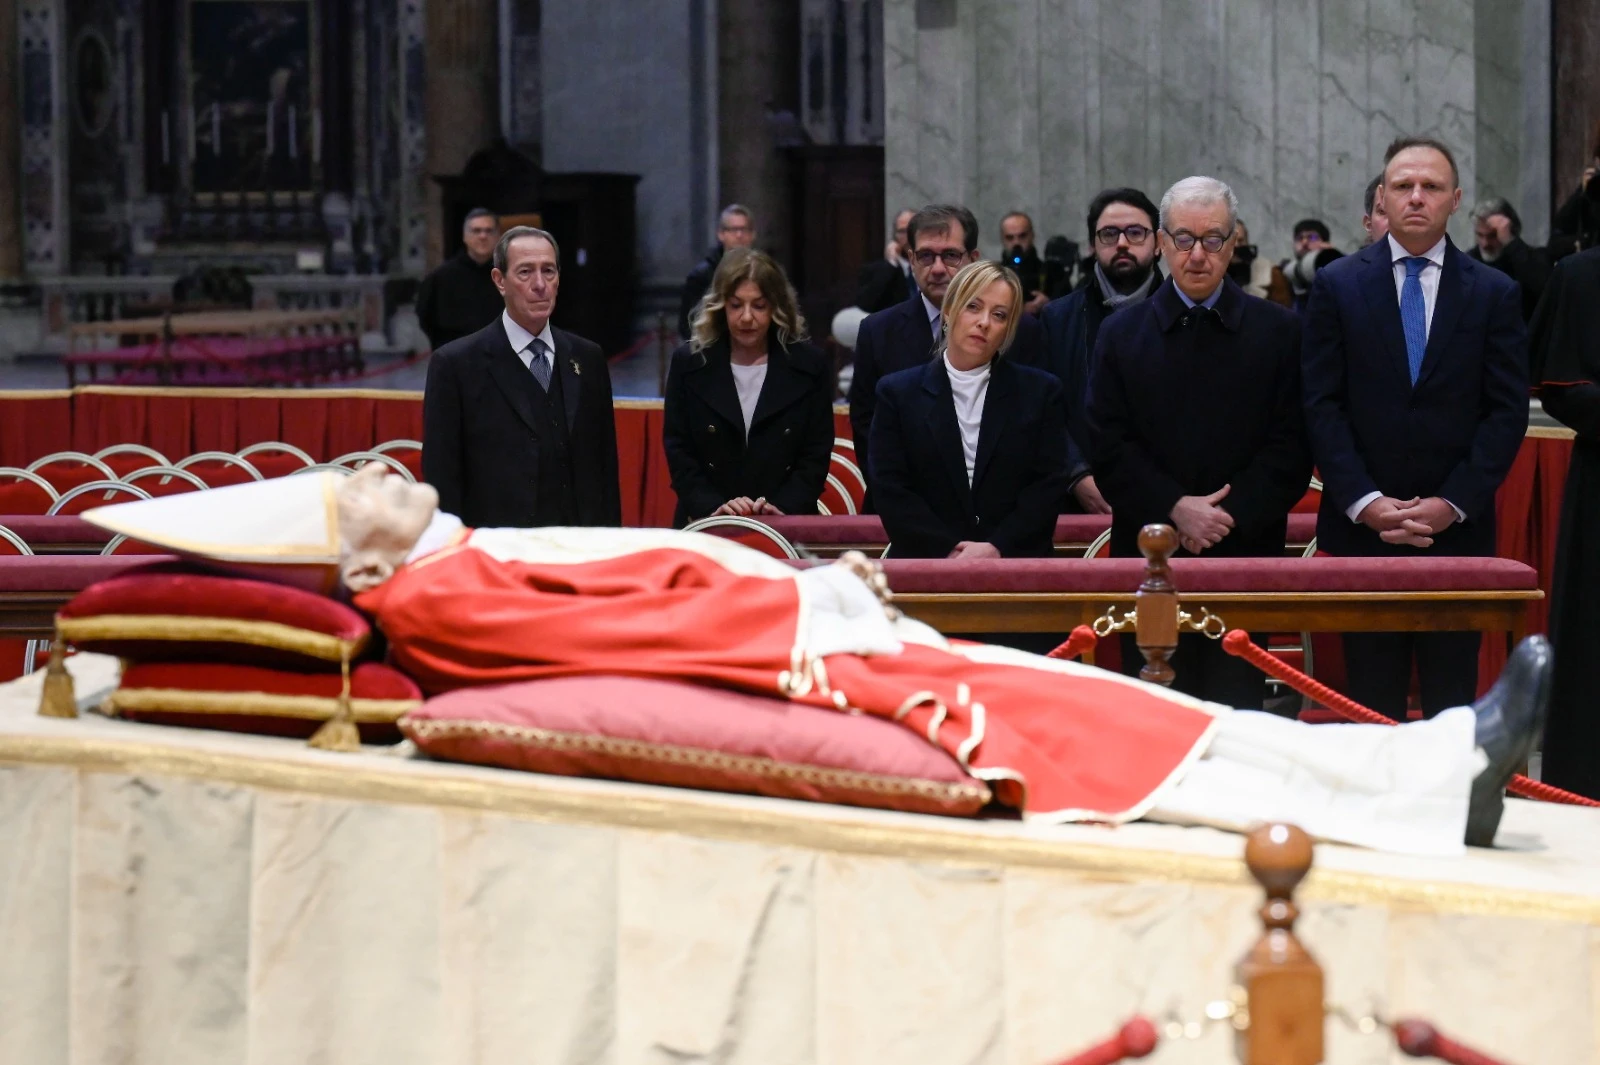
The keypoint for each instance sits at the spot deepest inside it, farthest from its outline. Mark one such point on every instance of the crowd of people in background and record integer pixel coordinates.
(1172, 374)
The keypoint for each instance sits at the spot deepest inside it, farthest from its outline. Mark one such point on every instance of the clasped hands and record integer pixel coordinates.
(1200, 520)
(744, 507)
(1414, 522)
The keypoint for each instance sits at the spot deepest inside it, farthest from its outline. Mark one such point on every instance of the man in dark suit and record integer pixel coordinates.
(887, 281)
(736, 228)
(1497, 232)
(1122, 233)
(1195, 417)
(459, 297)
(943, 238)
(1416, 391)
(517, 427)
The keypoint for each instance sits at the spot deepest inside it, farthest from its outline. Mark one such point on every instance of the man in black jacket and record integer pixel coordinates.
(1196, 419)
(736, 228)
(887, 281)
(1498, 233)
(460, 297)
(1122, 234)
(517, 426)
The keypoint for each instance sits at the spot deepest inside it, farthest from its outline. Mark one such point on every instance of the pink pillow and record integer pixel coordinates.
(664, 732)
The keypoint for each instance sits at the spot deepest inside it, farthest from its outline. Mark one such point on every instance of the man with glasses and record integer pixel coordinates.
(1195, 417)
(460, 297)
(1122, 225)
(736, 228)
(942, 239)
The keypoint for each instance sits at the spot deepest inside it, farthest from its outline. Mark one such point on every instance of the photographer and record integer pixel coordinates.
(1042, 279)
(1311, 253)
(1577, 223)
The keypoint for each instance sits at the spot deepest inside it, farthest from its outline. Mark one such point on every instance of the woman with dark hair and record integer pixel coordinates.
(749, 404)
(969, 452)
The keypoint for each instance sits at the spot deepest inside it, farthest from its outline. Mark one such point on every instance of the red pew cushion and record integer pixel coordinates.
(273, 702)
(664, 732)
(62, 573)
(172, 612)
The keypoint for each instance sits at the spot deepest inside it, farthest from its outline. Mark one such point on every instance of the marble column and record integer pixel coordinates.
(1039, 104)
(1577, 89)
(758, 66)
(10, 146)
(462, 93)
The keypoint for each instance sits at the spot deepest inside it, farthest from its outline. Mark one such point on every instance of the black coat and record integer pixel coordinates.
(1020, 476)
(1529, 267)
(1565, 349)
(1454, 434)
(457, 300)
(1068, 329)
(1181, 409)
(786, 456)
(694, 288)
(480, 440)
(881, 284)
(899, 339)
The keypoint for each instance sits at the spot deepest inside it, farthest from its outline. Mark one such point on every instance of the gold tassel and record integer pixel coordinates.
(57, 698)
(340, 733)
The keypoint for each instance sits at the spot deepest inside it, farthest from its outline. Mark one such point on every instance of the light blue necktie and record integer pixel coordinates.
(540, 364)
(1414, 315)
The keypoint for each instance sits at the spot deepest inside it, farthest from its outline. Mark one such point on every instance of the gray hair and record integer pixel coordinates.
(502, 250)
(1498, 205)
(1199, 192)
(739, 209)
(477, 213)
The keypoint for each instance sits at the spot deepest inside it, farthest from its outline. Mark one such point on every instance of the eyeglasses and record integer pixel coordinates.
(1185, 241)
(954, 258)
(1108, 235)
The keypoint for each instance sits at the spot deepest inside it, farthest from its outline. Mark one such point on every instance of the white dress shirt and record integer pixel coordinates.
(1430, 296)
(521, 341)
(969, 389)
(747, 381)
(933, 317)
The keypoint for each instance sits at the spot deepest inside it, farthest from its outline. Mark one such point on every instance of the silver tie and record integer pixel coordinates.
(540, 363)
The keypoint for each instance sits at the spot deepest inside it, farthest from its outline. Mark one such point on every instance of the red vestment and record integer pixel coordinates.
(1058, 740)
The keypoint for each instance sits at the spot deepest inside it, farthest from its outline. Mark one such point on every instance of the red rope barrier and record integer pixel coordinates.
(1136, 1039)
(1081, 641)
(1238, 643)
(1419, 1039)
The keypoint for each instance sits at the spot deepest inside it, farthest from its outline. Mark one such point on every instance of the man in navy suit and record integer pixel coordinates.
(1416, 387)
(943, 238)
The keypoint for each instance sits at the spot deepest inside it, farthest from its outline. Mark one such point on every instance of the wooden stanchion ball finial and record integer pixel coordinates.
(1279, 857)
(1157, 542)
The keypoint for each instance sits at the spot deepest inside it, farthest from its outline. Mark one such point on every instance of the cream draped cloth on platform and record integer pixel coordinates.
(188, 898)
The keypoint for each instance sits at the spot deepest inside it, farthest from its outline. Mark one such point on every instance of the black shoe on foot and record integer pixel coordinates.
(1510, 718)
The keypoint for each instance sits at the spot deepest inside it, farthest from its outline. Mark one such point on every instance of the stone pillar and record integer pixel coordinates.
(10, 144)
(758, 66)
(462, 103)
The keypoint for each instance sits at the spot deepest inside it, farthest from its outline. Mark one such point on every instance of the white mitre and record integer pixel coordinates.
(285, 529)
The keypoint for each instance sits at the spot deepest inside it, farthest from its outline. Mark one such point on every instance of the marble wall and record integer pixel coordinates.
(610, 104)
(1038, 104)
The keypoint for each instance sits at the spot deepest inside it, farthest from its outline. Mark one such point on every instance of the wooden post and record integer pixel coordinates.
(1281, 980)
(1156, 604)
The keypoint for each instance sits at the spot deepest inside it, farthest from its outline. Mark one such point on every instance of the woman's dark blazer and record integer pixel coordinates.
(919, 475)
(791, 436)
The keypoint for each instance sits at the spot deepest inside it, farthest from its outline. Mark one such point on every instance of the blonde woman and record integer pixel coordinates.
(749, 404)
(969, 452)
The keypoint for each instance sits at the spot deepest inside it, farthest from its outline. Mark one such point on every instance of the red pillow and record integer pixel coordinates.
(169, 612)
(663, 732)
(273, 702)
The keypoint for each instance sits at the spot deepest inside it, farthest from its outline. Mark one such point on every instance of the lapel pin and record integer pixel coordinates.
(575, 369)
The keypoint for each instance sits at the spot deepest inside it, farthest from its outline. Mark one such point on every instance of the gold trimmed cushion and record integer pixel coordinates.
(663, 732)
(274, 702)
(171, 612)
